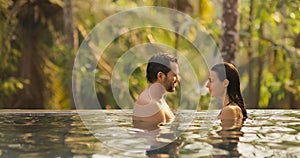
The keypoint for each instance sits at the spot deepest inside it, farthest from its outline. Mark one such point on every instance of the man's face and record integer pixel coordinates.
(171, 78)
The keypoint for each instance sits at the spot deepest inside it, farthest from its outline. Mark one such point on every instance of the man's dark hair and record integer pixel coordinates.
(158, 63)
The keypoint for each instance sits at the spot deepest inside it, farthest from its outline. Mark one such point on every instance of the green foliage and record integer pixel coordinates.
(9, 55)
(58, 77)
(275, 44)
(138, 82)
(275, 30)
(266, 90)
(12, 85)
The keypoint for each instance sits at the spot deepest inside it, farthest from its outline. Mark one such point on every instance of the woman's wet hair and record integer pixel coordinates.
(228, 71)
(158, 63)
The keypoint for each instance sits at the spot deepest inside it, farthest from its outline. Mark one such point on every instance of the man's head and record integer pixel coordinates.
(163, 68)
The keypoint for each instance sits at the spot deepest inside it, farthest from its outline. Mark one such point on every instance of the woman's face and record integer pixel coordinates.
(215, 86)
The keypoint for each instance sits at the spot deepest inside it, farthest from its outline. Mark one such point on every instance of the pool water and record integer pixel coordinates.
(111, 133)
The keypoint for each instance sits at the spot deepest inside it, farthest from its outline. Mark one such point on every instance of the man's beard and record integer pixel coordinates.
(170, 87)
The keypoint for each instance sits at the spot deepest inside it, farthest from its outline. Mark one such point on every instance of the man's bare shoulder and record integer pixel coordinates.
(143, 99)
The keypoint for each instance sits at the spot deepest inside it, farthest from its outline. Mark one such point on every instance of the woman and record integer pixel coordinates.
(224, 82)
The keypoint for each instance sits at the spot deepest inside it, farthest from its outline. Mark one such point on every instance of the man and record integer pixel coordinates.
(151, 108)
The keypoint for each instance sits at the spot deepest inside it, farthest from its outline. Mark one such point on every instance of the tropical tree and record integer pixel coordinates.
(39, 39)
(36, 28)
(9, 55)
(70, 43)
(230, 30)
(270, 37)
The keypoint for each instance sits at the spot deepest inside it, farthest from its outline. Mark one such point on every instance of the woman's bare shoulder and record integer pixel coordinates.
(228, 110)
(231, 112)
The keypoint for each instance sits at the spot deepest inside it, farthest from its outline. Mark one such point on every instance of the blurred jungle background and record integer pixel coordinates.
(39, 40)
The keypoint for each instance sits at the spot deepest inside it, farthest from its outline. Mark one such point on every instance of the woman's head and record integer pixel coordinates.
(224, 80)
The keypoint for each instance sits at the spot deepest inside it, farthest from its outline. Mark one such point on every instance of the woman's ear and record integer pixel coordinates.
(226, 83)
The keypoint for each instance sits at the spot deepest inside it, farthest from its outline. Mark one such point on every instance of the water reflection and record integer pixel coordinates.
(227, 138)
(161, 139)
(34, 136)
(266, 133)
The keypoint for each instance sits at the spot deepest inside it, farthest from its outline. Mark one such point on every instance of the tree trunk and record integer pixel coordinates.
(183, 6)
(250, 100)
(32, 96)
(256, 98)
(69, 40)
(294, 101)
(230, 24)
(260, 66)
(68, 24)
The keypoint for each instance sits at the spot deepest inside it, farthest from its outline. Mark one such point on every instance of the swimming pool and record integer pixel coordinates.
(111, 133)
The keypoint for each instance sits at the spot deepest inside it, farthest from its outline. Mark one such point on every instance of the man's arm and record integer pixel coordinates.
(169, 114)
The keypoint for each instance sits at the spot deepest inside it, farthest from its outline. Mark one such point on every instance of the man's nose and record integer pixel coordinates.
(207, 84)
(178, 79)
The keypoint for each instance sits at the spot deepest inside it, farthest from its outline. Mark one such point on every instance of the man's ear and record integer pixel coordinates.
(160, 75)
(226, 83)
